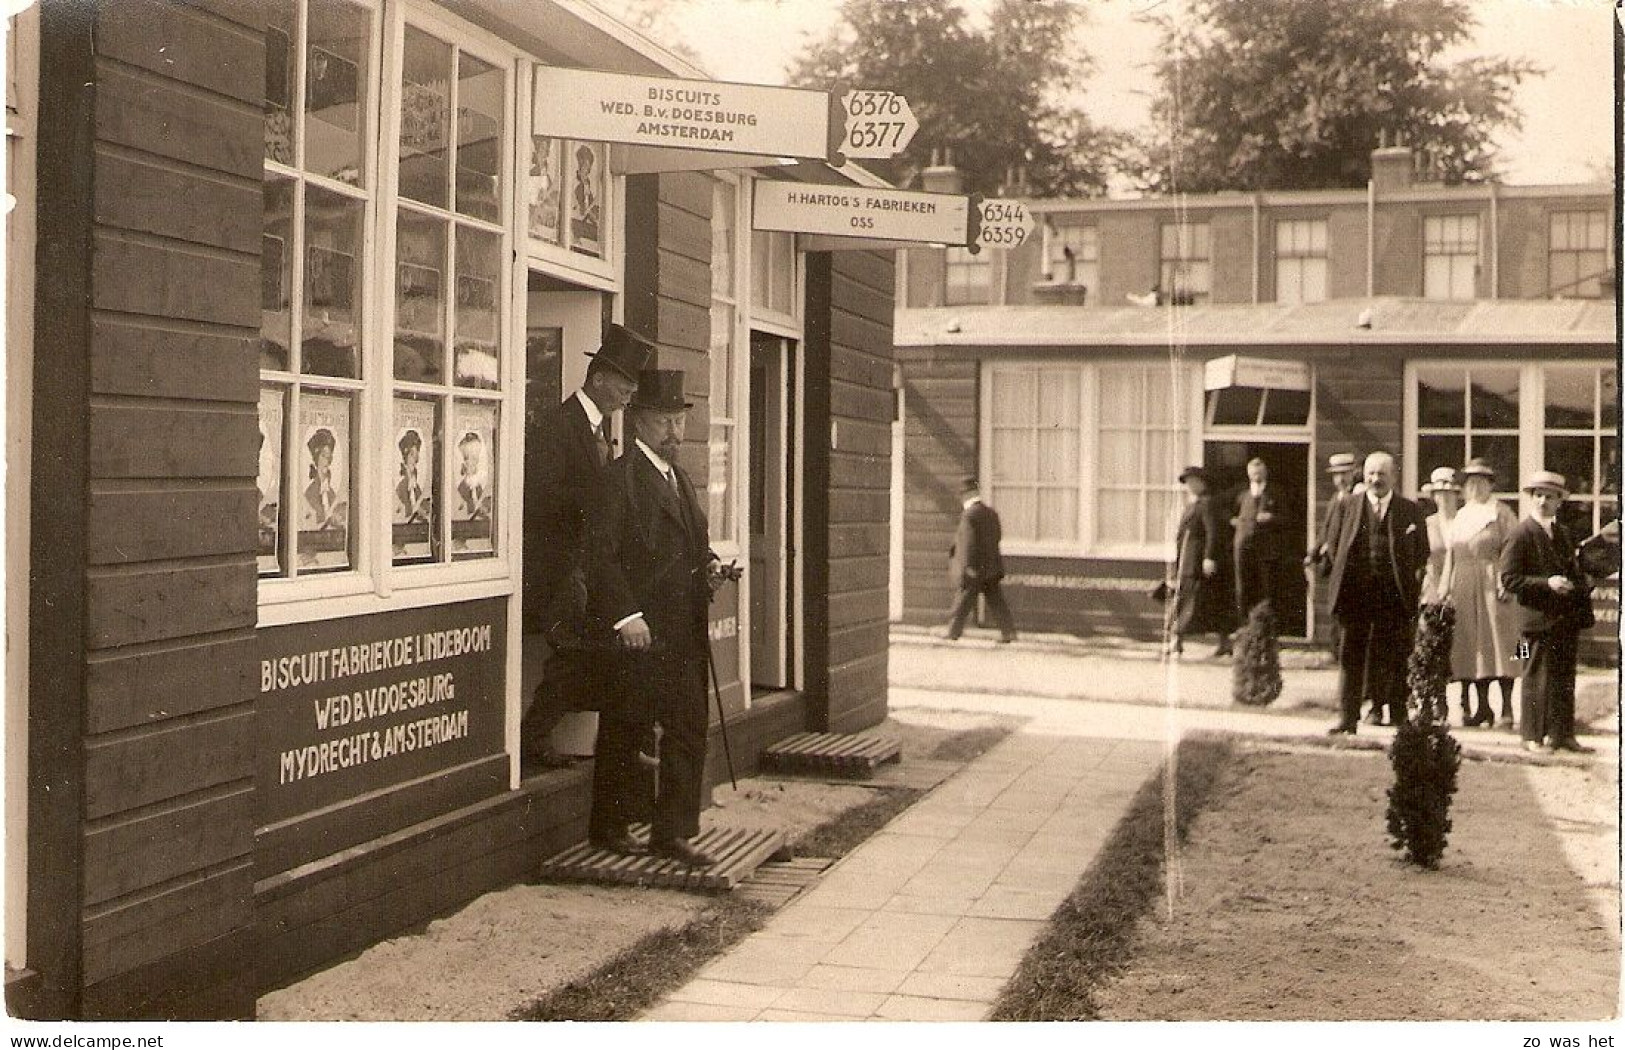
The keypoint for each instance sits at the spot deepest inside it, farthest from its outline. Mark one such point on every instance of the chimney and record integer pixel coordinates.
(942, 176)
(1392, 168)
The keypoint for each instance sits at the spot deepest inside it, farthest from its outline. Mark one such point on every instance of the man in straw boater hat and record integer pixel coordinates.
(565, 481)
(1538, 567)
(654, 576)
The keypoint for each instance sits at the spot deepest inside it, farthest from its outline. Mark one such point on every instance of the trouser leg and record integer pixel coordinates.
(572, 680)
(682, 715)
(1560, 705)
(1537, 686)
(962, 610)
(1352, 664)
(1000, 609)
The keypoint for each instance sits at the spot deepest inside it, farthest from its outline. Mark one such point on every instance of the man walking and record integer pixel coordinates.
(567, 487)
(975, 566)
(654, 576)
(1538, 566)
(1380, 551)
(1261, 540)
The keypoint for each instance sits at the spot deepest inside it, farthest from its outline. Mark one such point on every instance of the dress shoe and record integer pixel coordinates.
(683, 850)
(1341, 730)
(1006, 639)
(1224, 649)
(1374, 718)
(1574, 745)
(1173, 648)
(622, 843)
(1536, 747)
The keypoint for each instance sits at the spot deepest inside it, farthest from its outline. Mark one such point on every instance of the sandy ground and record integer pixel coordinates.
(1294, 908)
(509, 948)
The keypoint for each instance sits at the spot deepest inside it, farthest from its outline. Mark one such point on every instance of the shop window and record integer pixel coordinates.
(1463, 412)
(773, 275)
(1187, 269)
(567, 201)
(368, 437)
(1578, 255)
(968, 279)
(1450, 256)
(1072, 256)
(724, 438)
(1300, 260)
(1036, 451)
(1141, 451)
(1580, 441)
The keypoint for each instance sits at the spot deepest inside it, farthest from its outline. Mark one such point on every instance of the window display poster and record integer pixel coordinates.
(324, 505)
(586, 198)
(270, 481)
(416, 482)
(474, 428)
(546, 188)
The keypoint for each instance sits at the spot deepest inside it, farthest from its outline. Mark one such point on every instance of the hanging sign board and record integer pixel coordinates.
(1001, 224)
(1262, 373)
(681, 114)
(879, 124)
(851, 211)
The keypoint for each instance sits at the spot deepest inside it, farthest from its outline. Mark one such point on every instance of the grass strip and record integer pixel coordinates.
(968, 744)
(1088, 939)
(843, 833)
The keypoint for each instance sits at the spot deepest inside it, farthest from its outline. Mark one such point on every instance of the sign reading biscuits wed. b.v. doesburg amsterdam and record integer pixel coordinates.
(350, 707)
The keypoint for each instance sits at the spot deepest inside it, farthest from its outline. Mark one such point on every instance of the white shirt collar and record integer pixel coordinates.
(971, 499)
(1381, 504)
(1256, 487)
(654, 457)
(595, 415)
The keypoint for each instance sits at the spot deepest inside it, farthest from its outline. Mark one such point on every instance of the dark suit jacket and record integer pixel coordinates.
(1528, 560)
(1262, 536)
(1198, 537)
(567, 492)
(650, 558)
(1408, 534)
(976, 546)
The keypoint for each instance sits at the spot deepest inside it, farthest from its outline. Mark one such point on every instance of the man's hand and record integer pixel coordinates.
(1265, 516)
(1209, 566)
(635, 634)
(1560, 584)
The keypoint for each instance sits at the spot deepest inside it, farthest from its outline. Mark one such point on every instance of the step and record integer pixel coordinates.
(831, 754)
(739, 853)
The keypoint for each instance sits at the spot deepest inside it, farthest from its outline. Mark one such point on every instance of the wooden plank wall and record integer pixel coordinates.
(862, 290)
(939, 444)
(170, 576)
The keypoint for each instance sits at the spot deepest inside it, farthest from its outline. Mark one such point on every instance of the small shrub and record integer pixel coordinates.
(1425, 757)
(1256, 672)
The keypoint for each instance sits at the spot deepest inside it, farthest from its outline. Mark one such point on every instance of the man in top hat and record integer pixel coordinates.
(567, 485)
(975, 566)
(1539, 568)
(1380, 551)
(654, 575)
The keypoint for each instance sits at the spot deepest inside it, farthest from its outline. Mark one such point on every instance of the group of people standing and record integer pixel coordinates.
(620, 590)
(1520, 591)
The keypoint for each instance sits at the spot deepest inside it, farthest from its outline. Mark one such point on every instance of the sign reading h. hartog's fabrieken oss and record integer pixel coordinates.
(855, 211)
(681, 114)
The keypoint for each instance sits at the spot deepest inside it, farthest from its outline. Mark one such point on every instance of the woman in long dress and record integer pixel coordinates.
(1446, 495)
(1488, 623)
(1201, 601)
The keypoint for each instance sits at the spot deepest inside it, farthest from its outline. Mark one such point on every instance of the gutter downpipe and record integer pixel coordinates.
(1370, 238)
(1495, 242)
(1256, 220)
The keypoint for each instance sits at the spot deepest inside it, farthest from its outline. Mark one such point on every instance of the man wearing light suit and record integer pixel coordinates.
(653, 576)
(1380, 552)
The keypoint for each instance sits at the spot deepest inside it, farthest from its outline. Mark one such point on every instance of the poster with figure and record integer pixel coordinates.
(324, 474)
(474, 455)
(416, 481)
(586, 198)
(546, 188)
(270, 482)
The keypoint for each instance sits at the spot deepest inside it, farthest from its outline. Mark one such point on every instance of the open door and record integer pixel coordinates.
(1288, 462)
(770, 511)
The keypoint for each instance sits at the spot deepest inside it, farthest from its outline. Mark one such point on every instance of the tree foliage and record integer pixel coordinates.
(1277, 94)
(1000, 98)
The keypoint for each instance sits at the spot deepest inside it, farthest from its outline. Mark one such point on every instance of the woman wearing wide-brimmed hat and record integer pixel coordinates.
(1488, 622)
(1201, 601)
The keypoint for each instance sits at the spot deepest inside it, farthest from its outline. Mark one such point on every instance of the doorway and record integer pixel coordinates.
(772, 511)
(1288, 463)
(563, 324)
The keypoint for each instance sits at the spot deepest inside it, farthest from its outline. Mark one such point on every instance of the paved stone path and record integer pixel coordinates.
(927, 919)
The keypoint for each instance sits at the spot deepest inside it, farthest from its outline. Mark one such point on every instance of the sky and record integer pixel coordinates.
(1568, 123)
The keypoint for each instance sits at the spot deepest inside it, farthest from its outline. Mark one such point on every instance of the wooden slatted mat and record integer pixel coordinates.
(738, 852)
(777, 884)
(831, 754)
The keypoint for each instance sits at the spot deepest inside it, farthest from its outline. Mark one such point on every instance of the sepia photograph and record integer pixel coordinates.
(914, 512)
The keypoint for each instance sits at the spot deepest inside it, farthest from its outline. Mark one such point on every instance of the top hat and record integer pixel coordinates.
(1340, 462)
(1546, 479)
(1192, 472)
(1476, 467)
(624, 350)
(1442, 480)
(660, 390)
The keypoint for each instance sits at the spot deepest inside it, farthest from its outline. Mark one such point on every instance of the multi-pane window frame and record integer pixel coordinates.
(1475, 437)
(967, 280)
(1451, 254)
(1185, 265)
(1300, 260)
(1588, 508)
(373, 582)
(729, 365)
(601, 271)
(1577, 253)
(1532, 430)
(1185, 388)
(1071, 256)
